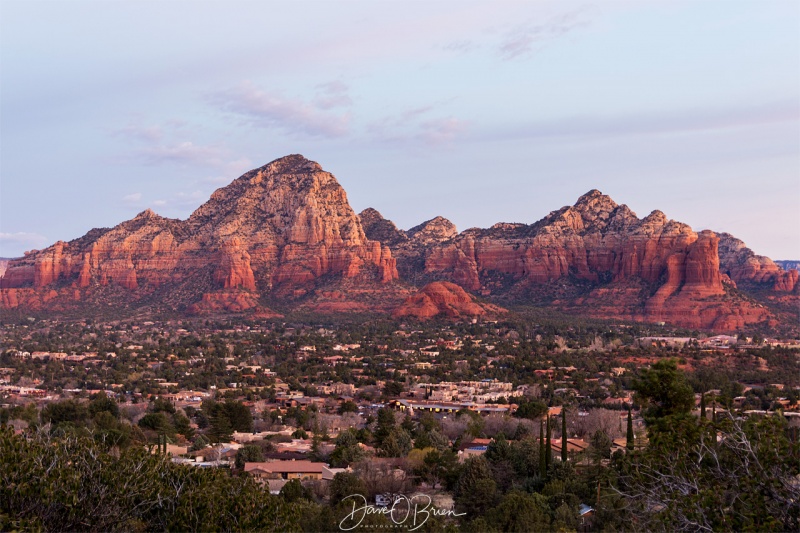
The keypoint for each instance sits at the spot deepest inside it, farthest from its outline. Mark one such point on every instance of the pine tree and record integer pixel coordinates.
(548, 450)
(629, 443)
(563, 435)
(703, 406)
(542, 457)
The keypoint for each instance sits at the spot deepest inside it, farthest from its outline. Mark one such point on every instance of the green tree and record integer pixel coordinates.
(564, 447)
(385, 425)
(476, 489)
(548, 451)
(600, 446)
(397, 444)
(156, 422)
(250, 453)
(67, 411)
(101, 402)
(521, 512)
(531, 410)
(199, 443)
(294, 491)
(183, 426)
(687, 479)
(629, 434)
(70, 483)
(392, 389)
(438, 466)
(542, 453)
(347, 449)
(703, 405)
(348, 406)
(663, 391)
(345, 484)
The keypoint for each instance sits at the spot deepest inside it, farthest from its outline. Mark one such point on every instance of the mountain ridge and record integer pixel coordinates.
(284, 234)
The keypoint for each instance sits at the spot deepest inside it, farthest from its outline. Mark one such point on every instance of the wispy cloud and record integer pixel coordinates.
(191, 199)
(332, 94)
(139, 132)
(182, 152)
(168, 143)
(132, 198)
(293, 116)
(442, 130)
(525, 40)
(461, 46)
(669, 122)
(23, 238)
(415, 126)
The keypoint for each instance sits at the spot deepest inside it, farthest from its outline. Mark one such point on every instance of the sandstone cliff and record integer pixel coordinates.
(597, 258)
(283, 236)
(277, 230)
(448, 299)
(745, 267)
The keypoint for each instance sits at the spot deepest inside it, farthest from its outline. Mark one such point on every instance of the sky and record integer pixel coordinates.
(480, 112)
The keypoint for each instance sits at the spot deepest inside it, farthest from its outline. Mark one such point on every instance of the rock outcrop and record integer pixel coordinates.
(597, 258)
(743, 266)
(277, 230)
(377, 228)
(409, 248)
(443, 298)
(284, 236)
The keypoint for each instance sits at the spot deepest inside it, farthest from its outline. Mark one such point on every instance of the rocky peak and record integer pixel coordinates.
(622, 218)
(380, 229)
(744, 265)
(146, 219)
(595, 207)
(656, 218)
(290, 199)
(291, 164)
(146, 214)
(435, 229)
(371, 215)
(444, 298)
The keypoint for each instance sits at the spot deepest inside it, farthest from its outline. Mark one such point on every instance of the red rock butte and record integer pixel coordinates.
(284, 234)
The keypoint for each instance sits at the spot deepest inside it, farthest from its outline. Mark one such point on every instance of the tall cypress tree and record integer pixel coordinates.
(714, 421)
(703, 406)
(563, 435)
(542, 457)
(629, 443)
(548, 449)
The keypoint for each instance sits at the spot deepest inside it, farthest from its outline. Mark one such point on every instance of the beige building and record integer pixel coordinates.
(286, 470)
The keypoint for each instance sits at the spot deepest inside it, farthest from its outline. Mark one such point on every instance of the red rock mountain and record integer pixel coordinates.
(444, 298)
(594, 258)
(284, 236)
(745, 267)
(276, 230)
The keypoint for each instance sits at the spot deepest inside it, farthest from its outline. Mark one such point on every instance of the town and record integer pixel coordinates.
(383, 408)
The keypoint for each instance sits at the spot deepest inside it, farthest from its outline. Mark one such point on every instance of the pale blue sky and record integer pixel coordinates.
(477, 111)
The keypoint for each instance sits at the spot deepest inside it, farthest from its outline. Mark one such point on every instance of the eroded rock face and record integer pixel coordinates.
(377, 228)
(598, 258)
(286, 232)
(744, 266)
(409, 248)
(276, 228)
(443, 298)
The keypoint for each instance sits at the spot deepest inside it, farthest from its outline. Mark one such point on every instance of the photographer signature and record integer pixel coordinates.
(415, 510)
